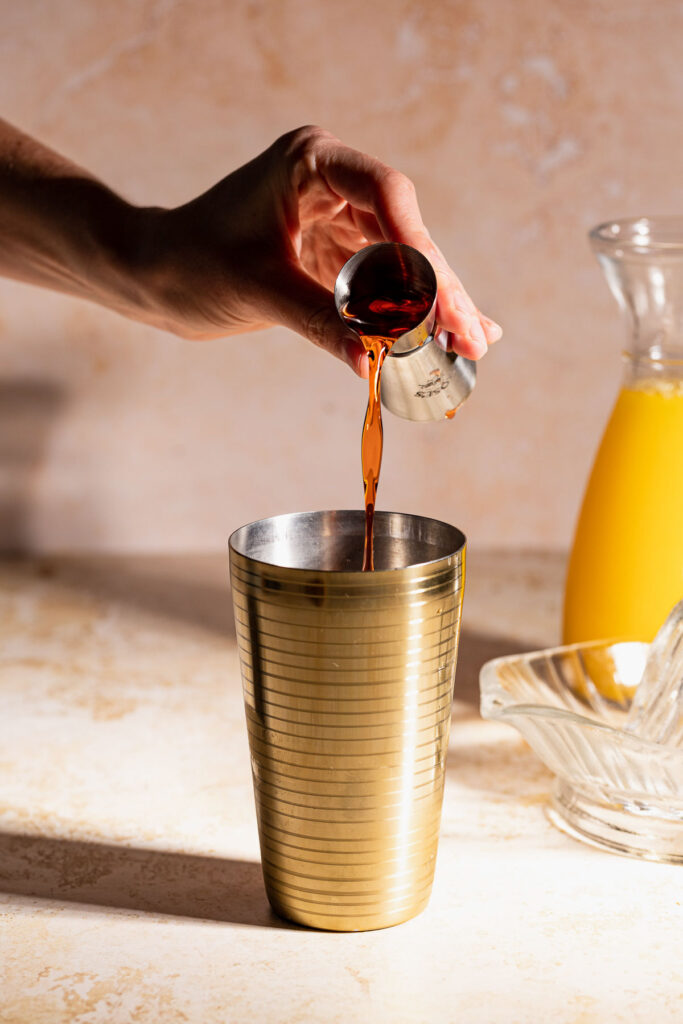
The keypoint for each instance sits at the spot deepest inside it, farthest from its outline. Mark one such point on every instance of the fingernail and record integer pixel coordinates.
(494, 332)
(476, 331)
(443, 339)
(356, 355)
(362, 366)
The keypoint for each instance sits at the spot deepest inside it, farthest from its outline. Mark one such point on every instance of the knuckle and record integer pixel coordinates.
(399, 183)
(302, 142)
(299, 151)
(317, 327)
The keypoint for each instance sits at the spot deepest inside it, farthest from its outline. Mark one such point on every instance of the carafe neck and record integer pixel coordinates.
(644, 367)
(643, 263)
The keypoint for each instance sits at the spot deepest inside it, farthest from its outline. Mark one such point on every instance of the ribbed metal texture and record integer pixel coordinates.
(348, 681)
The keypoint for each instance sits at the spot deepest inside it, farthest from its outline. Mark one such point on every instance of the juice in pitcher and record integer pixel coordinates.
(626, 567)
(630, 530)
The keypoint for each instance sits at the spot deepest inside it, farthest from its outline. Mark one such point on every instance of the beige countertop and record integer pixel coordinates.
(130, 888)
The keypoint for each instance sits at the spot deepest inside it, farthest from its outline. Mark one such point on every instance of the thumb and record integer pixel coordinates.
(303, 305)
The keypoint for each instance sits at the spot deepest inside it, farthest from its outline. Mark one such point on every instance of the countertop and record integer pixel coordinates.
(129, 863)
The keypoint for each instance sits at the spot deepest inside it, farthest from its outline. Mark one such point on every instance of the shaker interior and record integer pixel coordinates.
(333, 541)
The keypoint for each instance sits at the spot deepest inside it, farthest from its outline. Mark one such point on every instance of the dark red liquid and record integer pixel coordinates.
(388, 316)
(380, 320)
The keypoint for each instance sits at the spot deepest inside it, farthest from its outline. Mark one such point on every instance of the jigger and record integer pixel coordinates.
(421, 378)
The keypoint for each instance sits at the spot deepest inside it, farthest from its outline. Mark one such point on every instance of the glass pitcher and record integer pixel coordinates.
(626, 566)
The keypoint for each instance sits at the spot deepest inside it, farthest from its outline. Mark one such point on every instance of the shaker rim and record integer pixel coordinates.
(456, 547)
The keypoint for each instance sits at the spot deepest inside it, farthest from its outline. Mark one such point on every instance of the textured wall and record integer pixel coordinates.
(522, 124)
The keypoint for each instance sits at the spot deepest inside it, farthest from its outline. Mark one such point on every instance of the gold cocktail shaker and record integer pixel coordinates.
(348, 681)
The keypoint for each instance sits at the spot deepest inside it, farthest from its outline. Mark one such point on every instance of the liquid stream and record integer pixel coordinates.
(380, 320)
(372, 442)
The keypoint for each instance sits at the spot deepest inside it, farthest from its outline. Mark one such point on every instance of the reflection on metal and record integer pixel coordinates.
(348, 680)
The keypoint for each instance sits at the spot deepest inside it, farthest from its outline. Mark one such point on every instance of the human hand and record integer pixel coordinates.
(264, 246)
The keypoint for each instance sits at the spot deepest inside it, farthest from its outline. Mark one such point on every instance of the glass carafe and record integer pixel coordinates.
(626, 566)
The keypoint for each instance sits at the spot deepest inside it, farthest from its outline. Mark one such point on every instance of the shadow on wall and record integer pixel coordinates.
(168, 586)
(191, 590)
(28, 411)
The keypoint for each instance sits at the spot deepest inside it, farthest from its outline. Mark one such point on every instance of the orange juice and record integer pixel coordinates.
(626, 568)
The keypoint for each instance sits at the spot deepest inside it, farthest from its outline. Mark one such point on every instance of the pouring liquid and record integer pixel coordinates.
(380, 320)
(626, 568)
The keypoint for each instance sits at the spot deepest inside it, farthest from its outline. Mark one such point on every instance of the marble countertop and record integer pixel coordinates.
(130, 886)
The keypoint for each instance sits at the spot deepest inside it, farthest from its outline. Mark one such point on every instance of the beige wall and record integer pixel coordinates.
(522, 123)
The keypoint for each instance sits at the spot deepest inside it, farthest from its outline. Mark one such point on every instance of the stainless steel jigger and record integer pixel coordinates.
(421, 378)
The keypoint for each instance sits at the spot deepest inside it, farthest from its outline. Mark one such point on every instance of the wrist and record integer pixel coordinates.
(139, 261)
(159, 270)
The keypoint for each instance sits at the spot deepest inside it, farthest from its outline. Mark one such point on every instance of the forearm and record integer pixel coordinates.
(262, 246)
(63, 229)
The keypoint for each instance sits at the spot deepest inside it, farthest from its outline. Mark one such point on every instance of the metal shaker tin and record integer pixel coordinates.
(348, 697)
(421, 378)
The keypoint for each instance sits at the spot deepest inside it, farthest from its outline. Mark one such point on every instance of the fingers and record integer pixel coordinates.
(385, 207)
(493, 331)
(304, 306)
(456, 312)
(472, 331)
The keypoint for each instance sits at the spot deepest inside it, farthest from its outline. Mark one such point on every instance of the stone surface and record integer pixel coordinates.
(129, 871)
(523, 125)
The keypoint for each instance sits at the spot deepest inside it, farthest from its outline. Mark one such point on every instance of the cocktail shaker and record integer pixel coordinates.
(348, 685)
(421, 378)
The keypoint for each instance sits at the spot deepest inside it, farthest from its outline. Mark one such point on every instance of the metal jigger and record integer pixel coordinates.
(421, 378)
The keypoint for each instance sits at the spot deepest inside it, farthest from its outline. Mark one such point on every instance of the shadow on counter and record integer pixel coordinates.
(193, 590)
(506, 767)
(125, 878)
(474, 650)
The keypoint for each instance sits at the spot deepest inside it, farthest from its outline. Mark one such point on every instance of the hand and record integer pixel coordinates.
(264, 246)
